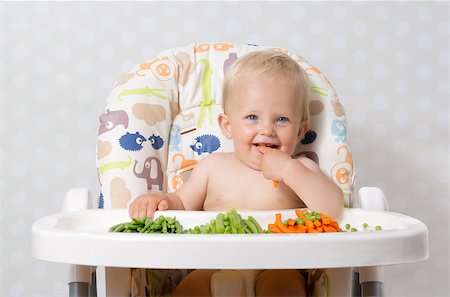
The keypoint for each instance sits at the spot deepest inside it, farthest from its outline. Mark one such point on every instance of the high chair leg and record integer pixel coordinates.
(371, 280)
(79, 280)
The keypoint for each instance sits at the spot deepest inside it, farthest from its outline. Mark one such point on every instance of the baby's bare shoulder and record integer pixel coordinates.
(308, 163)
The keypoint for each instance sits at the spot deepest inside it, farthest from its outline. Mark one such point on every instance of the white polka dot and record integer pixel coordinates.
(19, 81)
(424, 13)
(380, 102)
(40, 183)
(339, 41)
(41, 153)
(422, 159)
(359, 57)
(401, 87)
(19, 23)
(381, 72)
(63, 23)
(400, 146)
(422, 131)
(233, 26)
(41, 95)
(106, 53)
(129, 10)
(39, 271)
(298, 11)
(443, 87)
(63, 52)
(423, 72)
(400, 117)
(442, 175)
(381, 42)
(442, 117)
(423, 102)
(42, 8)
(424, 42)
(444, 29)
(382, 13)
(170, 10)
(317, 27)
(358, 86)
(255, 11)
(17, 288)
(276, 26)
(401, 57)
(444, 57)
(360, 27)
(17, 257)
(339, 12)
(402, 28)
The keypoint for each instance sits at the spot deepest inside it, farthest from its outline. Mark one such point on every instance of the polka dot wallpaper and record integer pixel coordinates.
(388, 61)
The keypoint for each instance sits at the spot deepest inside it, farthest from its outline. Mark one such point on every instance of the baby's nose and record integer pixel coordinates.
(267, 129)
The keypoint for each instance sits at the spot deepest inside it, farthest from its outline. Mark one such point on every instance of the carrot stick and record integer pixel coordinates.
(280, 224)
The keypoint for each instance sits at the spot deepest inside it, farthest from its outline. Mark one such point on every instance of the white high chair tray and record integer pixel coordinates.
(82, 237)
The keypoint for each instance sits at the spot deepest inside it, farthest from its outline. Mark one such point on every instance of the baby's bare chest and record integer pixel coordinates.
(245, 191)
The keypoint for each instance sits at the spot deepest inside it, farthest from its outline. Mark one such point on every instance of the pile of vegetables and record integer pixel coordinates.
(228, 223)
(306, 222)
(162, 224)
(232, 222)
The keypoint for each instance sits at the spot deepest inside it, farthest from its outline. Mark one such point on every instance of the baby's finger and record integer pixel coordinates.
(163, 205)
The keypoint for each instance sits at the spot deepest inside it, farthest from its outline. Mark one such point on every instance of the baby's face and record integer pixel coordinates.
(263, 111)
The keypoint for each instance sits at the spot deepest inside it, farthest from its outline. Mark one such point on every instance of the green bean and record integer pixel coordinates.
(258, 226)
(251, 226)
(219, 223)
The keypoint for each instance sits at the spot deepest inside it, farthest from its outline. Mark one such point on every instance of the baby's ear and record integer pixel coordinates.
(305, 126)
(224, 124)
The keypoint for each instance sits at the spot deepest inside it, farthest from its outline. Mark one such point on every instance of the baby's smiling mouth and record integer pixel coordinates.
(271, 145)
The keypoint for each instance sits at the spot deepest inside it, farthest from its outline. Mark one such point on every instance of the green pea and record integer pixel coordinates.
(378, 228)
(300, 221)
(354, 230)
(365, 225)
(347, 226)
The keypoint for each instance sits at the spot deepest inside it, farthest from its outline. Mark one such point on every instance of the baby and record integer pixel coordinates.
(266, 113)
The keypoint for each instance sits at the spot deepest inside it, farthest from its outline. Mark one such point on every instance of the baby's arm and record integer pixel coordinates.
(306, 179)
(189, 197)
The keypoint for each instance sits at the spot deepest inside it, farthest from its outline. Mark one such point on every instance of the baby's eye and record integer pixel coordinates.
(283, 120)
(252, 117)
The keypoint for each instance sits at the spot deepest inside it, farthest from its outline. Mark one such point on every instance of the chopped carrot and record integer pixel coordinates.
(322, 224)
(291, 222)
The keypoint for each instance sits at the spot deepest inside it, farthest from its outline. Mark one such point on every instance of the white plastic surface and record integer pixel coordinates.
(81, 237)
(371, 198)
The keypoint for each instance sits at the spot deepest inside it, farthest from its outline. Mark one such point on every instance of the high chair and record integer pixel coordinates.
(160, 120)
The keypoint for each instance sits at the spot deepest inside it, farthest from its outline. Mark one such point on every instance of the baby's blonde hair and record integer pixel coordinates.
(268, 63)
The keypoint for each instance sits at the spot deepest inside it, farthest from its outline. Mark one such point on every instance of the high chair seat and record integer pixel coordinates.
(161, 119)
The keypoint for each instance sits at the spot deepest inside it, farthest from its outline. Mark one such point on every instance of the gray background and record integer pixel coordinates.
(388, 61)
